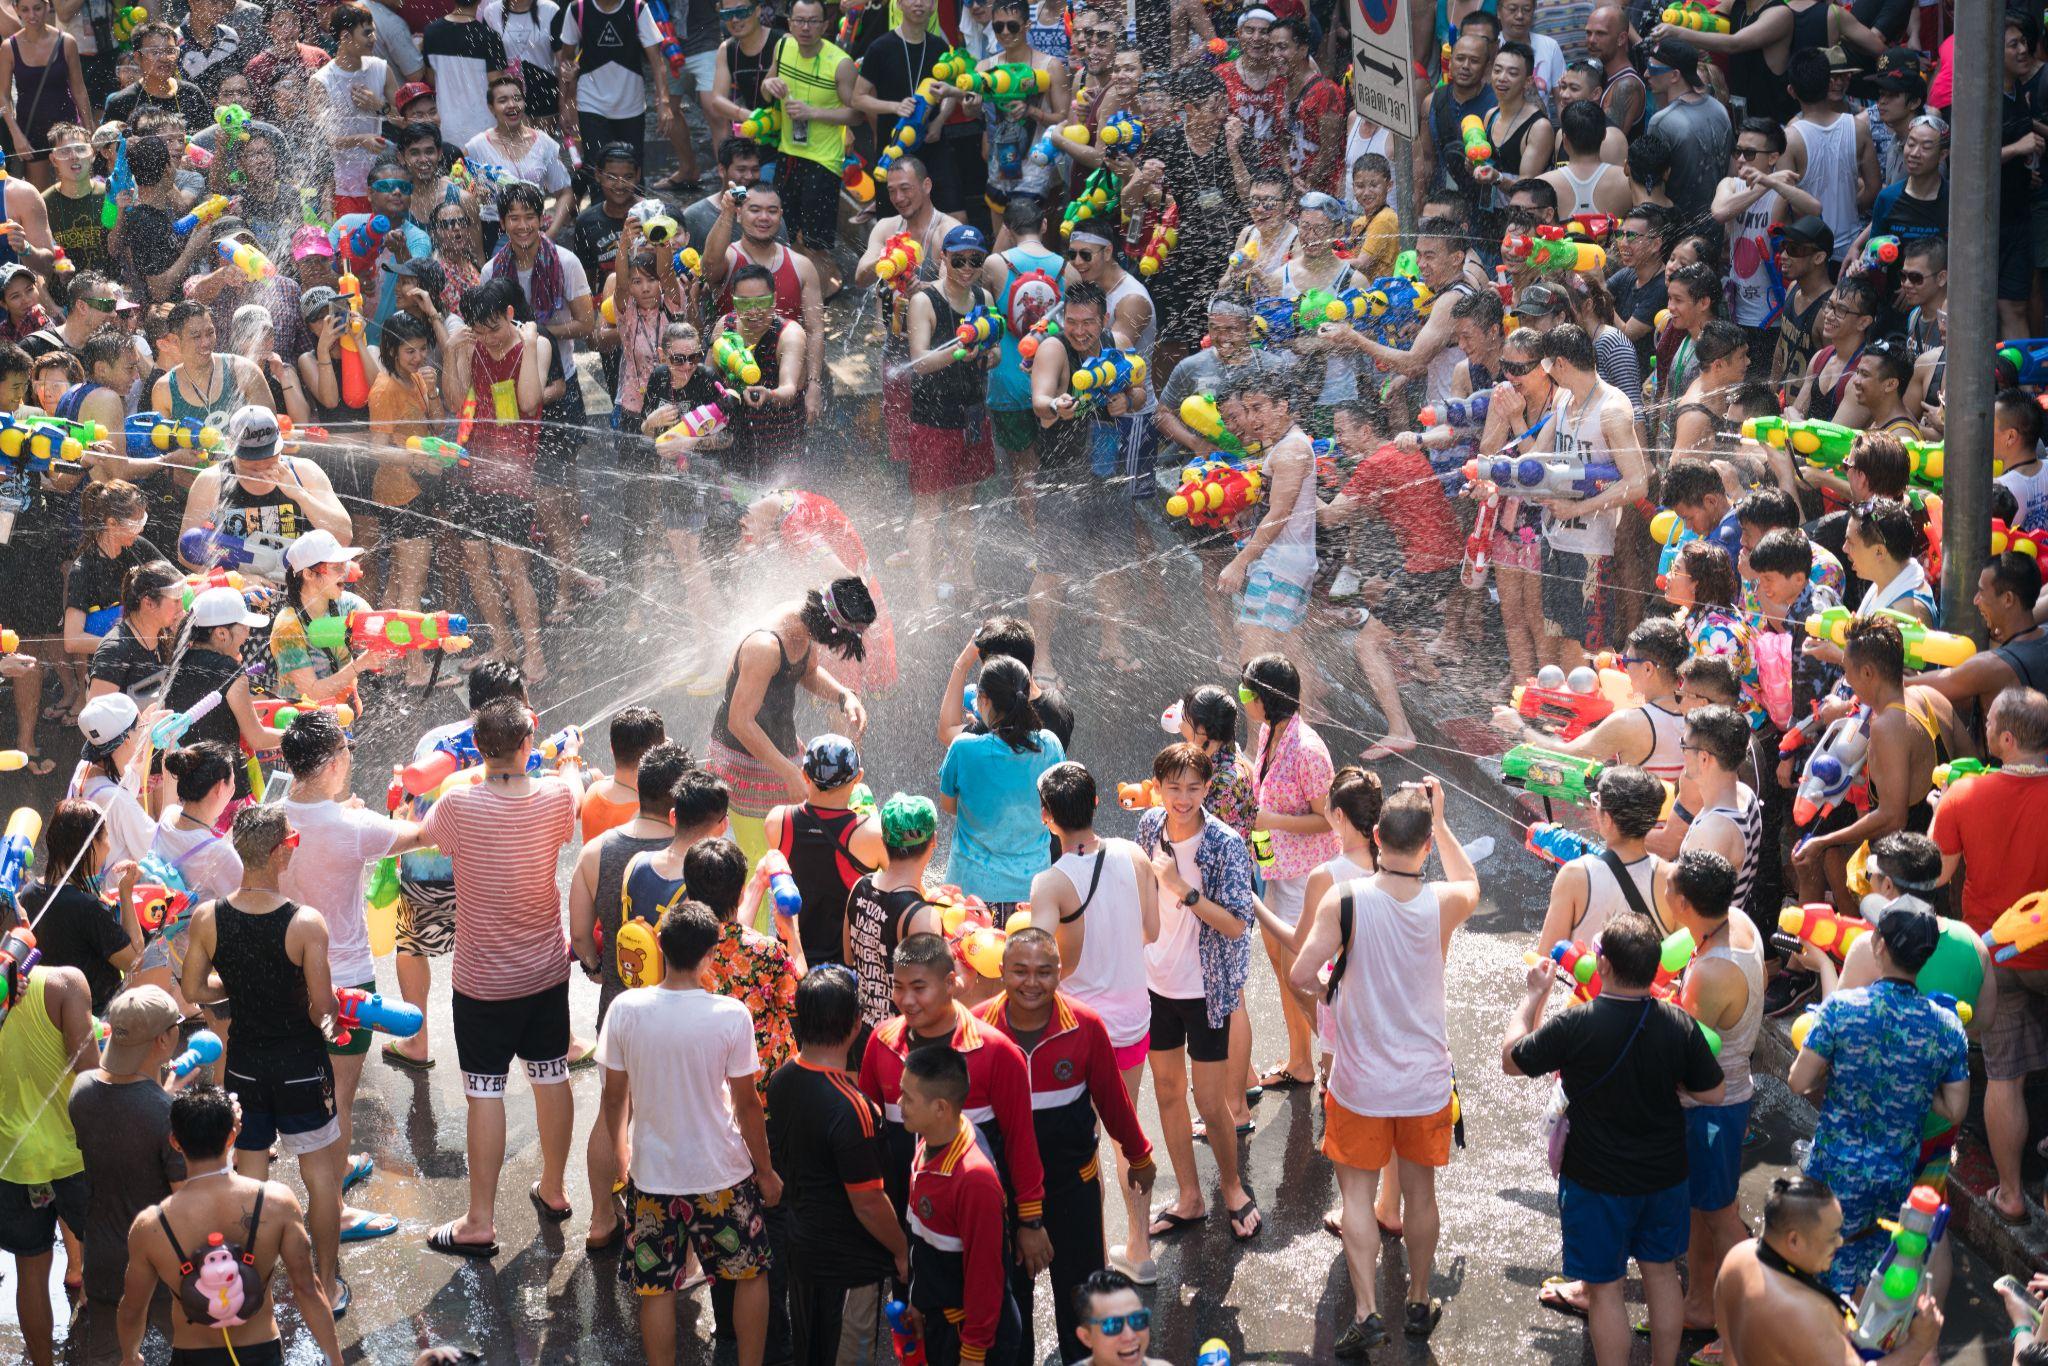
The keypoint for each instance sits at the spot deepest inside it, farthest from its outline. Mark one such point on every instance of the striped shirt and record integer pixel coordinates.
(510, 938)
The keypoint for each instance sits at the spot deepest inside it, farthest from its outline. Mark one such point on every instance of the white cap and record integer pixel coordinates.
(252, 433)
(223, 607)
(107, 719)
(317, 547)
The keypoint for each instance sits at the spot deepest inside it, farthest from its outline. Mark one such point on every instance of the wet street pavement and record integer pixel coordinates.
(1284, 1297)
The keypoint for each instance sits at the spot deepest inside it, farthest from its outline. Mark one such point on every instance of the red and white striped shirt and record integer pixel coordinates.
(510, 936)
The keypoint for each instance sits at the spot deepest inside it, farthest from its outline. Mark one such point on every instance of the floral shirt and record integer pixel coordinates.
(1233, 797)
(1722, 633)
(1225, 864)
(1291, 780)
(755, 970)
(1888, 1050)
(291, 651)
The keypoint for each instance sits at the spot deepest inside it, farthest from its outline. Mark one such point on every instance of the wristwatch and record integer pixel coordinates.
(1194, 894)
(1034, 1224)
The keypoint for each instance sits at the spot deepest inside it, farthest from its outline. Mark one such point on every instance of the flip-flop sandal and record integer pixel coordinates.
(1713, 1354)
(1551, 1296)
(398, 1059)
(548, 1211)
(1244, 1130)
(1249, 1209)
(1175, 1223)
(358, 1172)
(587, 1058)
(343, 1298)
(1281, 1079)
(368, 1227)
(443, 1240)
(40, 765)
(615, 1239)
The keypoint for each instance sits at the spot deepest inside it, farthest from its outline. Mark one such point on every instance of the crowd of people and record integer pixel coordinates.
(1628, 372)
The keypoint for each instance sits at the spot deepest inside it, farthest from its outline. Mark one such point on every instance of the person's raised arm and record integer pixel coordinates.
(717, 253)
(953, 701)
(1458, 894)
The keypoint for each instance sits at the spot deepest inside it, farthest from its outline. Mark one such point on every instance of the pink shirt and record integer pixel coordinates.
(1297, 775)
(510, 936)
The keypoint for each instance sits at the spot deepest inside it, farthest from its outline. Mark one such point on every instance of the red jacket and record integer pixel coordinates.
(957, 1259)
(998, 1089)
(1074, 1078)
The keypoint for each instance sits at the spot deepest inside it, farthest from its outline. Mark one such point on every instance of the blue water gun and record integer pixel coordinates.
(1274, 317)
(2029, 357)
(905, 136)
(262, 552)
(359, 1009)
(119, 182)
(666, 27)
(1121, 133)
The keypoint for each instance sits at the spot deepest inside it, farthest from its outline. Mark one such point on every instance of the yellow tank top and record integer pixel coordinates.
(811, 80)
(37, 1144)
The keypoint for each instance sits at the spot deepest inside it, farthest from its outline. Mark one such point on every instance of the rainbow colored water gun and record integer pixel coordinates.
(390, 629)
(1673, 957)
(18, 849)
(1107, 374)
(901, 256)
(1697, 16)
(1559, 844)
(735, 359)
(855, 180)
(981, 330)
(1926, 648)
(149, 435)
(1213, 492)
(246, 257)
(205, 211)
(1580, 965)
(1550, 250)
(1472, 132)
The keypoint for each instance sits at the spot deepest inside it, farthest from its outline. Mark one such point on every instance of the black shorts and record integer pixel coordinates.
(1415, 601)
(1564, 591)
(489, 1034)
(421, 519)
(289, 1102)
(2016, 261)
(494, 516)
(810, 201)
(269, 1353)
(1185, 1024)
(29, 1214)
(561, 439)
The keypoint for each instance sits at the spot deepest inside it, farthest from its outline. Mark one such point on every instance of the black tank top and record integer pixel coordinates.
(777, 717)
(241, 512)
(748, 71)
(2028, 659)
(943, 397)
(1507, 152)
(815, 842)
(764, 436)
(268, 989)
(877, 918)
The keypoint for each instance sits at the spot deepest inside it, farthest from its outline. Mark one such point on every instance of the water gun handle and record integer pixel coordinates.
(356, 1009)
(203, 1051)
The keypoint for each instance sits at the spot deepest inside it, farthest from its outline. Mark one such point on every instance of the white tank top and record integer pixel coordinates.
(1604, 897)
(1129, 287)
(1582, 188)
(1579, 434)
(1667, 735)
(1739, 1039)
(1444, 364)
(1831, 175)
(1390, 1052)
(1111, 974)
(1292, 554)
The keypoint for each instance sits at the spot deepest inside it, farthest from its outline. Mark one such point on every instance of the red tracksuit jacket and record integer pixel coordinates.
(958, 1259)
(1073, 1079)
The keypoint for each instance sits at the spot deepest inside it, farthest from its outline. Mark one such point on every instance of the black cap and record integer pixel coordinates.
(1541, 300)
(1910, 935)
(1680, 56)
(1901, 61)
(1811, 231)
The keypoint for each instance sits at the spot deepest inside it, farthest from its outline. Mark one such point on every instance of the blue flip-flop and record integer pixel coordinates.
(359, 1172)
(368, 1227)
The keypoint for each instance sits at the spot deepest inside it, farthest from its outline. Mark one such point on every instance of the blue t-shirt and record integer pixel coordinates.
(1728, 536)
(417, 242)
(999, 843)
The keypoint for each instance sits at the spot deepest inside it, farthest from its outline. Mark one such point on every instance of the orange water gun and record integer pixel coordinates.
(355, 380)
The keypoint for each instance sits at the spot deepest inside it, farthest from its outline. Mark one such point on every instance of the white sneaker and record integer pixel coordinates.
(1141, 1273)
(1346, 584)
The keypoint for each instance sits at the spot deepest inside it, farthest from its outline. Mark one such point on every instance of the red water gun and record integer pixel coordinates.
(1566, 706)
(1479, 545)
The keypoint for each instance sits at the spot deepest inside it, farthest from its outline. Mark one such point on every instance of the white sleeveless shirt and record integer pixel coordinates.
(1111, 974)
(1604, 897)
(1579, 434)
(1390, 1049)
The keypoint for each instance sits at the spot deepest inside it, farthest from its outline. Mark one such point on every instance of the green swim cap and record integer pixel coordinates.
(908, 820)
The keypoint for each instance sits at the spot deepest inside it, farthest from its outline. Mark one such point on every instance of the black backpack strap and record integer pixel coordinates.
(184, 1262)
(1345, 912)
(1094, 880)
(255, 1221)
(1629, 891)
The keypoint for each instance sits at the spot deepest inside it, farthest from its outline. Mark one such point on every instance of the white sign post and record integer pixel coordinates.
(1382, 87)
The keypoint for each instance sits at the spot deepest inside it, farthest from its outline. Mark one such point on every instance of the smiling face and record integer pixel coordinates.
(923, 996)
(1182, 795)
(1031, 973)
(1123, 1311)
(1510, 77)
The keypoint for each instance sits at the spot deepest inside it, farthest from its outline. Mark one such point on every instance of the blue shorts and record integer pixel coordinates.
(1713, 1149)
(1601, 1232)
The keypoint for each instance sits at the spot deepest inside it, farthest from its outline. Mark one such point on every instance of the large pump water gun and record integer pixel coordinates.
(761, 125)
(1670, 532)
(1580, 965)
(2028, 357)
(1456, 412)
(1892, 1295)
(1554, 843)
(1543, 476)
(363, 242)
(1202, 417)
(246, 257)
(390, 629)
(358, 1009)
(1108, 373)
(979, 332)
(1819, 924)
(1162, 238)
(1546, 773)
(1319, 306)
(453, 753)
(665, 25)
(1697, 16)
(128, 18)
(355, 380)
(707, 418)
(898, 263)
(905, 136)
(1551, 250)
(1959, 770)
(1926, 648)
(1006, 82)
(205, 211)
(1100, 197)
(2021, 928)
(121, 180)
(149, 435)
(1213, 492)
(447, 454)
(1397, 300)
(734, 359)
(84, 433)
(24, 445)
(1121, 133)
(1823, 445)
(261, 553)
(1565, 706)
(1835, 767)
(18, 850)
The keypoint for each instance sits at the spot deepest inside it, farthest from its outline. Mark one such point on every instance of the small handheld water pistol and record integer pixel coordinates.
(1880, 251)
(1820, 925)
(1955, 771)
(1891, 1297)
(1823, 445)
(977, 333)
(1695, 15)
(1121, 133)
(1926, 648)
(2028, 356)
(1006, 82)
(760, 125)
(665, 26)
(706, 418)
(1101, 195)
(773, 879)
(1546, 773)
(1581, 965)
(149, 435)
(1543, 476)
(1672, 959)
(1479, 544)
(30, 445)
(688, 263)
(1246, 255)
(1567, 706)
(392, 629)
(566, 743)
(233, 121)
(1554, 843)
(909, 1347)
(205, 211)
(1109, 373)
(1261, 845)
(203, 1051)
(2021, 928)
(1835, 766)
(358, 1009)
(1472, 132)
(906, 135)
(1213, 493)
(128, 18)
(1456, 412)
(1160, 241)
(1550, 250)
(735, 359)
(1669, 530)
(901, 256)
(444, 452)
(18, 957)
(246, 257)
(1201, 415)
(855, 180)
(18, 849)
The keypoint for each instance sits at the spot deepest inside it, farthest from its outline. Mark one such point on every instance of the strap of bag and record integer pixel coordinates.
(1094, 880)
(1608, 1075)
(1345, 912)
(1629, 891)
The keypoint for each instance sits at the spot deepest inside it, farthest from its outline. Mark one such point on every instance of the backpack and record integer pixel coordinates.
(1030, 297)
(636, 950)
(222, 1289)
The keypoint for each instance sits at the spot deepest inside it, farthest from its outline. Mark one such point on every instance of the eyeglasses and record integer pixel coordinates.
(1747, 152)
(1081, 256)
(1627, 235)
(390, 186)
(1912, 277)
(1515, 369)
(1655, 70)
(1006, 26)
(1844, 310)
(1137, 1321)
(1264, 201)
(1627, 660)
(970, 260)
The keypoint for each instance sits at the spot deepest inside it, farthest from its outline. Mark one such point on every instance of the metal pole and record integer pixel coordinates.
(1972, 308)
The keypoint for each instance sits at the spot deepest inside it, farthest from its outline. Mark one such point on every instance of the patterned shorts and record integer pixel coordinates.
(726, 1227)
(426, 918)
(1270, 601)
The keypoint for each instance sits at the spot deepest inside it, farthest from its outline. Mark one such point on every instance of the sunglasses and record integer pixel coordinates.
(759, 305)
(968, 259)
(1083, 256)
(685, 358)
(100, 305)
(1006, 26)
(388, 186)
(1137, 1321)
(1912, 277)
(1515, 369)
(1746, 153)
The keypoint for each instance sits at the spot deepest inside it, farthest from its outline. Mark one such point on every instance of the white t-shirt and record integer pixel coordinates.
(207, 862)
(2032, 492)
(526, 36)
(129, 828)
(542, 165)
(1549, 65)
(396, 46)
(1173, 963)
(341, 119)
(327, 872)
(681, 1048)
(610, 91)
(575, 285)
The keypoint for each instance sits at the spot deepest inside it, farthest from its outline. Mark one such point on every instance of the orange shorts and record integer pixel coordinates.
(1367, 1141)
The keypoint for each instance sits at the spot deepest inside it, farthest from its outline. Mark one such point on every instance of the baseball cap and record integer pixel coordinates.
(1901, 61)
(1541, 300)
(966, 238)
(1910, 934)
(1680, 56)
(1901, 77)
(310, 240)
(137, 1018)
(252, 433)
(317, 301)
(831, 761)
(1809, 231)
(318, 547)
(105, 722)
(908, 821)
(224, 607)
(1838, 60)
(409, 92)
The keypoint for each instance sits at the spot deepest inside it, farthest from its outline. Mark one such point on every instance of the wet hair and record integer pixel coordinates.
(1661, 641)
(1795, 1202)
(1006, 638)
(1881, 460)
(1770, 130)
(1714, 583)
(493, 679)
(1278, 686)
(349, 17)
(1710, 676)
(1719, 338)
(940, 1070)
(104, 347)
(413, 134)
(1569, 343)
(1910, 859)
(1631, 797)
(1722, 733)
(1875, 642)
(399, 329)
(1886, 522)
(1005, 686)
(1405, 822)
(1706, 880)
(662, 766)
(147, 581)
(149, 161)
(1631, 946)
(517, 194)
(202, 1121)
(827, 1006)
(923, 951)
(2023, 712)
(1538, 189)
(1182, 758)
(1513, 47)
(1862, 290)
(1358, 794)
(700, 798)
(1807, 75)
(488, 301)
(686, 933)
(314, 737)
(1442, 227)
(185, 311)
(1067, 792)
(1088, 295)
(751, 274)
(634, 731)
(1771, 508)
(200, 768)
(100, 505)
(74, 828)
(1481, 306)
(715, 871)
(1893, 359)
(1653, 215)
(2017, 575)
(1784, 550)
(1372, 163)
(1195, 85)
(1211, 713)
(855, 603)
(2016, 408)
(1689, 482)
(257, 833)
(1756, 399)
(501, 727)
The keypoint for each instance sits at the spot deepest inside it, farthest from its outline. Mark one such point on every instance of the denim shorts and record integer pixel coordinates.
(1713, 1150)
(1601, 1232)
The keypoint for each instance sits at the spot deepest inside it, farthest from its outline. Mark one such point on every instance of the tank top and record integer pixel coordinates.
(43, 93)
(944, 398)
(1507, 152)
(1292, 554)
(1390, 1052)
(748, 71)
(1739, 1039)
(238, 512)
(506, 438)
(1604, 897)
(1129, 287)
(2028, 659)
(769, 434)
(815, 841)
(1831, 175)
(789, 288)
(1009, 384)
(1579, 434)
(37, 1143)
(1444, 364)
(646, 895)
(221, 397)
(1920, 813)
(601, 813)
(1667, 735)
(1111, 974)
(268, 989)
(777, 717)
(875, 920)
(812, 80)
(1748, 815)
(1583, 187)
(1628, 75)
